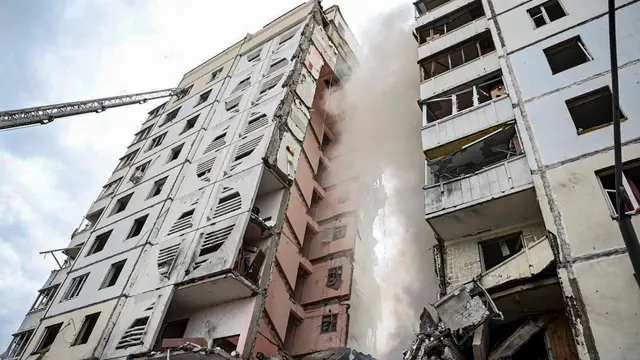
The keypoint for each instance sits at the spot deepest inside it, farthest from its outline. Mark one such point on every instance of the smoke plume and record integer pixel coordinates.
(381, 128)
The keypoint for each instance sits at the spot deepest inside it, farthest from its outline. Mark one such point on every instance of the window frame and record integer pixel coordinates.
(127, 159)
(109, 276)
(88, 324)
(135, 223)
(157, 141)
(543, 13)
(563, 45)
(76, 286)
(158, 185)
(170, 116)
(332, 320)
(40, 348)
(585, 98)
(24, 337)
(214, 75)
(118, 202)
(174, 153)
(96, 241)
(191, 121)
(635, 202)
(202, 100)
(115, 184)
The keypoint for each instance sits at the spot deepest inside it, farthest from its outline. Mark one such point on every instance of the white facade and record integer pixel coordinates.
(564, 159)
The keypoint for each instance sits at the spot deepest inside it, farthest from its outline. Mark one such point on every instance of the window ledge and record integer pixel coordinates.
(479, 58)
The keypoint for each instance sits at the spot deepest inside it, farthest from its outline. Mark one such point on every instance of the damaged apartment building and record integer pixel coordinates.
(516, 114)
(229, 228)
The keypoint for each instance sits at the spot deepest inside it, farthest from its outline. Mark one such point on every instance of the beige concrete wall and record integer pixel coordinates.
(463, 258)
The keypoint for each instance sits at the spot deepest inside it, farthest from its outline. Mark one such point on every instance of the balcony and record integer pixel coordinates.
(483, 117)
(486, 190)
(530, 261)
(439, 8)
(439, 43)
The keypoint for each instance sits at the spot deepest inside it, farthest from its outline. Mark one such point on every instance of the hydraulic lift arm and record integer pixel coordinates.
(12, 119)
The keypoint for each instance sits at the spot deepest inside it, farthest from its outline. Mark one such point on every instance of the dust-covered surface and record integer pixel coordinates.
(381, 128)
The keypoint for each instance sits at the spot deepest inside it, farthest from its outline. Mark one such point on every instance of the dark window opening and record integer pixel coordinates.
(121, 204)
(190, 124)
(203, 97)
(184, 93)
(175, 329)
(138, 225)
(329, 323)
(546, 12)
(175, 152)
(450, 22)
(423, 6)
(156, 189)
(86, 329)
(156, 141)
(215, 75)
(592, 110)
(334, 277)
(494, 252)
(99, 243)
(48, 337)
(113, 274)
(172, 115)
(567, 54)
(211, 249)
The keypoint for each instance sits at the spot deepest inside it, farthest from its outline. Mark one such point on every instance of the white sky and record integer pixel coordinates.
(106, 48)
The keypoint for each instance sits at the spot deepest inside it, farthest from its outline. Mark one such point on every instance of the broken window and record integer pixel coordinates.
(446, 105)
(45, 297)
(155, 112)
(329, 323)
(172, 115)
(142, 134)
(156, 189)
(455, 58)
(336, 233)
(48, 337)
(110, 188)
(498, 250)
(181, 95)
(86, 329)
(156, 141)
(203, 97)
(127, 159)
(19, 344)
(121, 204)
(631, 184)
(138, 225)
(592, 111)
(450, 22)
(566, 54)
(113, 274)
(334, 277)
(175, 153)
(174, 329)
(139, 171)
(215, 75)
(546, 12)
(190, 124)
(74, 288)
(99, 242)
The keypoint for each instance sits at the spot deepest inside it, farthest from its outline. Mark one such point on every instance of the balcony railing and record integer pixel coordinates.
(460, 75)
(494, 181)
(467, 122)
(437, 44)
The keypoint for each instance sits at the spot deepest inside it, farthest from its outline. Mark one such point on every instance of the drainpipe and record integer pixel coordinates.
(624, 220)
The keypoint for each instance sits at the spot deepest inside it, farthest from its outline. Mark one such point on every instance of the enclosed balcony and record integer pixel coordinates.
(476, 108)
(451, 29)
(482, 184)
(458, 65)
(429, 10)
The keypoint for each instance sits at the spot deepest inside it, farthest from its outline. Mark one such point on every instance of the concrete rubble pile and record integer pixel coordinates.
(460, 314)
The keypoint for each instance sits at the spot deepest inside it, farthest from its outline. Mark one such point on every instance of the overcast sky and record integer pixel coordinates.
(66, 50)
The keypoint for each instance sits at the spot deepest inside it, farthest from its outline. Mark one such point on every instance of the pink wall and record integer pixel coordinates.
(288, 256)
(321, 248)
(308, 336)
(278, 304)
(311, 147)
(297, 215)
(264, 341)
(329, 206)
(305, 179)
(315, 286)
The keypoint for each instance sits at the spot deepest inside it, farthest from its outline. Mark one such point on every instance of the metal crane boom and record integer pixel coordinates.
(45, 114)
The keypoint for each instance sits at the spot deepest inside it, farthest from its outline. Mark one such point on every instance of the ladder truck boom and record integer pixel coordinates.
(12, 119)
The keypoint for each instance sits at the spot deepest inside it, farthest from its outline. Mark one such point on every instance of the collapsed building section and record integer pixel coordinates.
(229, 229)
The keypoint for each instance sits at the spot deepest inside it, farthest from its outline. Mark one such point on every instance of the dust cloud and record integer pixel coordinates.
(381, 128)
